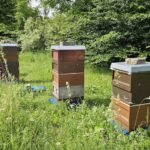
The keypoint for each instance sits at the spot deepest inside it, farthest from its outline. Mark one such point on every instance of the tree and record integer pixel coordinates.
(114, 27)
(7, 13)
(23, 12)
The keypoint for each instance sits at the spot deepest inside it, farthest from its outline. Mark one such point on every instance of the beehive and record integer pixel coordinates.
(68, 72)
(131, 94)
(131, 83)
(9, 60)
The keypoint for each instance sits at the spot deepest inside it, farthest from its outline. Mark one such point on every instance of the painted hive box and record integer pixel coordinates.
(68, 71)
(131, 116)
(9, 60)
(131, 83)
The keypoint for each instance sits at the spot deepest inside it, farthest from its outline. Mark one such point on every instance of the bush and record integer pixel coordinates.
(32, 37)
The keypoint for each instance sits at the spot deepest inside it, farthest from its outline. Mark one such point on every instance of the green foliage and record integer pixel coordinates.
(112, 28)
(23, 12)
(39, 33)
(13, 15)
(7, 13)
(76, 6)
(109, 29)
(3, 27)
(34, 35)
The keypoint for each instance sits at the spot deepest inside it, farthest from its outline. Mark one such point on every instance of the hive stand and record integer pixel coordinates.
(68, 72)
(10, 60)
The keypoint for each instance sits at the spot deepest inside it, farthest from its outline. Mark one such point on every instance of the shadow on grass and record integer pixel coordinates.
(23, 74)
(97, 101)
(34, 81)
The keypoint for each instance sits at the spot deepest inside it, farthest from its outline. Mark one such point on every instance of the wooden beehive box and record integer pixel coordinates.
(131, 83)
(10, 60)
(131, 116)
(68, 71)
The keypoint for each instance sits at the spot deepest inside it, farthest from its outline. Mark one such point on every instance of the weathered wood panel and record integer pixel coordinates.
(137, 84)
(69, 55)
(9, 58)
(122, 80)
(141, 81)
(122, 95)
(131, 117)
(10, 54)
(134, 81)
(122, 77)
(71, 78)
(68, 66)
(10, 50)
(135, 97)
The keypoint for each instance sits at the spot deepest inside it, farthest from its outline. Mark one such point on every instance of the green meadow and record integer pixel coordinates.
(28, 121)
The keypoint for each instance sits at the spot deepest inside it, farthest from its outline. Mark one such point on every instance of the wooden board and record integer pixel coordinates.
(141, 81)
(71, 78)
(121, 85)
(68, 66)
(135, 61)
(134, 87)
(10, 50)
(122, 95)
(69, 55)
(122, 80)
(135, 97)
(9, 58)
(131, 82)
(131, 117)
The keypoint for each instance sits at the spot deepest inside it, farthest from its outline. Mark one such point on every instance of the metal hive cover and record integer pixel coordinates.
(62, 47)
(8, 45)
(122, 66)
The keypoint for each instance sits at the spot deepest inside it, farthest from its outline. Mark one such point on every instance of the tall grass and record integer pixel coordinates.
(29, 121)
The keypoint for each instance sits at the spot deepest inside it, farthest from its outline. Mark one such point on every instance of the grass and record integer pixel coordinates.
(29, 121)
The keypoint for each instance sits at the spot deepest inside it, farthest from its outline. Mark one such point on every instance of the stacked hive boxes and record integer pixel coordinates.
(131, 91)
(68, 72)
(10, 60)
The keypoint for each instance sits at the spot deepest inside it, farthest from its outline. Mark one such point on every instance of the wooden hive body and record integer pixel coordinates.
(68, 72)
(131, 88)
(10, 60)
(68, 66)
(131, 95)
(131, 116)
